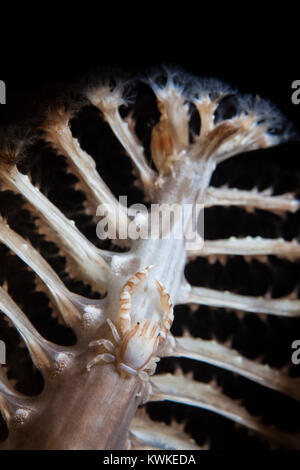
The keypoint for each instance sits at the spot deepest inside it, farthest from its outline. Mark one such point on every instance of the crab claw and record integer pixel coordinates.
(132, 285)
(164, 297)
(137, 280)
(166, 304)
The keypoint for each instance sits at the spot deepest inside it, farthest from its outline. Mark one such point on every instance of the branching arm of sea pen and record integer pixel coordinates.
(145, 433)
(249, 246)
(181, 389)
(108, 102)
(218, 355)
(214, 298)
(13, 405)
(45, 354)
(59, 134)
(76, 310)
(216, 141)
(89, 258)
(251, 200)
(174, 120)
(243, 133)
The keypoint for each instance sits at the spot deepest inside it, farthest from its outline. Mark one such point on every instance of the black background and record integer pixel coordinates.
(31, 69)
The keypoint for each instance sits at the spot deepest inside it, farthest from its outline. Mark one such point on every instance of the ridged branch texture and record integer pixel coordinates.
(190, 137)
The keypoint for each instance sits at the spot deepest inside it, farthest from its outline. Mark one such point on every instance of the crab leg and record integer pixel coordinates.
(103, 342)
(114, 331)
(106, 357)
(133, 284)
